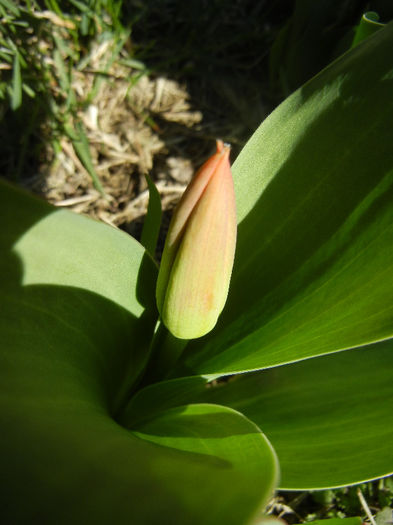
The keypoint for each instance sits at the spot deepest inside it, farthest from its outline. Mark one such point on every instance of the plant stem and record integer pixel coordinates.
(165, 351)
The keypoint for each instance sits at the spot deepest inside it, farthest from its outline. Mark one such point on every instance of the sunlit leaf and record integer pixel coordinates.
(329, 418)
(314, 267)
(78, 312)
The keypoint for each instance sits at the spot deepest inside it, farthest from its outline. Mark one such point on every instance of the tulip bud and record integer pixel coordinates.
(197, 261)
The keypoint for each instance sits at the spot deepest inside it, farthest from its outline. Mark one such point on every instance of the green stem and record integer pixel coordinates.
(165, 351)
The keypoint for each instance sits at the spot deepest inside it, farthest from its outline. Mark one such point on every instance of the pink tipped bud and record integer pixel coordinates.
(197, 262)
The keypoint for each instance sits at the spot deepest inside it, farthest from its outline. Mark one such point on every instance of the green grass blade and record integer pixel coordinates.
(83, 8)
(81, 146)
(151, 226)
(10, 6)
(16, 89)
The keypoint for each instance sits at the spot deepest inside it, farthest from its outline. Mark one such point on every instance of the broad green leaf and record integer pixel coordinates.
(329, 418)
(73, 284)
(70, 462)
(156, 398)
(308, 42)
(77, 301)
(229, 442)
(314, 267)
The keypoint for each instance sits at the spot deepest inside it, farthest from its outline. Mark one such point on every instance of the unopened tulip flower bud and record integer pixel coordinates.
(197, 261)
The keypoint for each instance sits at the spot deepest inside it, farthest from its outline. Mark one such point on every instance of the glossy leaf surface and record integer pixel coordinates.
(313, 272)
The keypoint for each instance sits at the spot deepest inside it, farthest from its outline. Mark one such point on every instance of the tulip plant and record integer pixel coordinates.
(126, 403)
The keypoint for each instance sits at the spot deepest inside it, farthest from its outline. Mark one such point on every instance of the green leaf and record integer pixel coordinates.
(337, 521)
(28, 90)
(16, 97)
(308, 42)
(384, 516)
(81, 146)
(63, 73)
(151, 226)
(147, 403)
(10, 7)
(329, 419)
(81, 6)
(71, 282)
(314, 267)
(231, 443)
(368, 25)
(78, 312)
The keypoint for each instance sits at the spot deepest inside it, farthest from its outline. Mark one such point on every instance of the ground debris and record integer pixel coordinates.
(135, 124)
